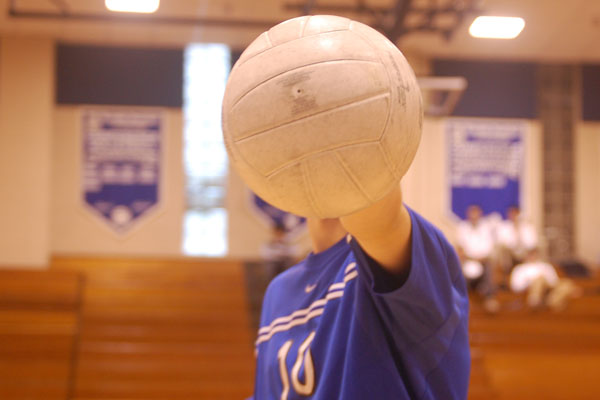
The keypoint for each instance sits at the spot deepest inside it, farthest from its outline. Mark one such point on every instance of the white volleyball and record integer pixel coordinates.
(322, 116)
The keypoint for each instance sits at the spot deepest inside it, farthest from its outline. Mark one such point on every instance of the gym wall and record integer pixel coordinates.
(41, 211)
(89, 76)
(495, 90)
(587, 167)
(587, 191)
(26, 113)
(426, 187)
(77, 230)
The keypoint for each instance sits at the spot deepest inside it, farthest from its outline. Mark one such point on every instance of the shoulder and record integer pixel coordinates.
(436, 283)
(280, 289)
(505, 229)
(463, 228)
(287, 291)
(434, 265)
(431, 253)
(436, 274)
(431, 302)
(428, 241)
(505, 224)
(285, 279)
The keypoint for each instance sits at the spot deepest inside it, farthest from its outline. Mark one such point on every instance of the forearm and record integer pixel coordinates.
(383, 230)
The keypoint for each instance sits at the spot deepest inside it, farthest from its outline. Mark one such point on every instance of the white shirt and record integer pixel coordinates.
(524, 274)
(477, 241)
(519, 237)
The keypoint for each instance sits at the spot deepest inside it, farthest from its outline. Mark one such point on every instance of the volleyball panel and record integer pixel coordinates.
(334, 193)
(306, 92)
(339, 45)
(306, 26)
(360, 161)
(307, 191)
(358, 122)
(403, 134)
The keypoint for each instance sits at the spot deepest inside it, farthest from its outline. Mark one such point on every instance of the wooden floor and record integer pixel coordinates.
(522, 354)
(92, 329)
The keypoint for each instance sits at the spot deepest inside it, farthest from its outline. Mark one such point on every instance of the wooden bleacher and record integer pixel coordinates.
(39, 318)
(522, 354)
(162, 329)
(92, 329)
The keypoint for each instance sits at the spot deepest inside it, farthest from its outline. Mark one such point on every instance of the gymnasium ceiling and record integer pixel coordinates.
(556, 30)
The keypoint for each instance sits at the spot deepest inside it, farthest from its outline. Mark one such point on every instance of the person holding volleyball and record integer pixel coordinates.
(322, 117)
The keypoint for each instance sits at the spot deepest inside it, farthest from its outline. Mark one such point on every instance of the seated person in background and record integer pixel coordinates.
(475, 247)
(516, 238)
(541, 282)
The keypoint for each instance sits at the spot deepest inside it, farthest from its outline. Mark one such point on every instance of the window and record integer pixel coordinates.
(206, 67)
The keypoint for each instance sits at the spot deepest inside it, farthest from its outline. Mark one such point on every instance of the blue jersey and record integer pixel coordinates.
(338, 326)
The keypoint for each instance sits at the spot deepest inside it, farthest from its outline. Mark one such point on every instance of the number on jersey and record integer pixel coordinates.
(304, 358)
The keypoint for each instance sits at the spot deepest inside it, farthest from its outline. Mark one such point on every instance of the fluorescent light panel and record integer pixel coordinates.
(497, 27)
(136, 6)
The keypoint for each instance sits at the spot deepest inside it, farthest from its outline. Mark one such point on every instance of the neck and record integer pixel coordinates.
(324, 233)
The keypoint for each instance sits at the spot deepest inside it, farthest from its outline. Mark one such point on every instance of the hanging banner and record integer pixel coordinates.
(121, 164)
(274, 216)
(485, 164)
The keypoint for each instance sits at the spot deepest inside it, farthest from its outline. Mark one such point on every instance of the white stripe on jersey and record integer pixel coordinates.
(317, 303)
(350, 266)
(302, 316)
(298, 321)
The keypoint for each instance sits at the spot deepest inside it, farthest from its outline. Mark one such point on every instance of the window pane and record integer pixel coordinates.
(206, 67)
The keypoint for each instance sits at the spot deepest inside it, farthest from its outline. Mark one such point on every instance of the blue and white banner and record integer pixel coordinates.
(121, 164)
(486, 159)
(277, 217)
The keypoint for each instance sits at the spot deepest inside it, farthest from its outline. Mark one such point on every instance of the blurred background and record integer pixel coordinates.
(133, 260)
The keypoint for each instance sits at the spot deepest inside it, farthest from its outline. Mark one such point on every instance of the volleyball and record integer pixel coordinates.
(322, 116)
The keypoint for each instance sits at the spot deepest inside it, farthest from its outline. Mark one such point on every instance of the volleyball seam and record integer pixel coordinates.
(351, 176)
(336, 107)
(329, 61)
(312, 198)
(386, 156)
(318, 153)
(289, 41)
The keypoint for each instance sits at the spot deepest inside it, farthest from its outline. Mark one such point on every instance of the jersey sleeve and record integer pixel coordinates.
(424, 308)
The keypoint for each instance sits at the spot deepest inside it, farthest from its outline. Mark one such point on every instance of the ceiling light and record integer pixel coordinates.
(137, 6)
(497, 27)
